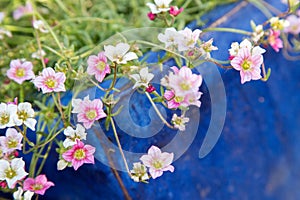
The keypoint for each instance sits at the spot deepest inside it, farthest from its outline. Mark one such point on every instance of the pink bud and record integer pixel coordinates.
(150, 88)
(151, 16)
(231, 57)
(3, 184)
(16, 153)
(175, 11)
(190, 53)
(46, 60)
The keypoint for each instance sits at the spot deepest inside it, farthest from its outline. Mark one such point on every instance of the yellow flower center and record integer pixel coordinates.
(157, 164)
(246, 65)
(10, 173)
(20, 72)
(178, 99)
(91, 114)
(4, 119)
(79, 154)
(185, 86)
(37, 186)
(23, 115)
(12, 143)
(101, 65)
(50, 82)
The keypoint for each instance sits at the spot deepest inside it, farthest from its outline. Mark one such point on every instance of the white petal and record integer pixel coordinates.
(30, 123)
(69, 131)
(4, 164)
(129, 56)
(28, 195)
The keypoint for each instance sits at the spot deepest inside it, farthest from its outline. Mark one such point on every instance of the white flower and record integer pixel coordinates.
(119, 53)
(258, 32)
(18, 195)
(169, 38)
(187, 39)
(4, 32)
(62, 164)
(11, 141)
(207, 47)
(143, 78)
(39, 54)
(39, 25)
(159, 6)
(7, 113)
(278, 24)
(235, 48)
(72, 135)
(139, 172)
(12, 172)
(25, 115)
(179, 122)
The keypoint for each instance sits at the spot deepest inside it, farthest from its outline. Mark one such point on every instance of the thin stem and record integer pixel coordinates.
(157, 111)
(24, 136)
(59, 107)
(39, 45)
(44, 159)
(21, 93)
(119, 145)
(230, 30)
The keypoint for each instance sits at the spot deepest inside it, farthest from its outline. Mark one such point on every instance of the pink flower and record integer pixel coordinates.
(150, 88)
(173, 102)
(294, 24)
(11, 141)
(184, 81)
(274, 40)
(151, 16)
(50, 81)
(20, 71)
(157, 161)
(22, 10)
(97, 65)
(247, 64)
(88, 111)
(39, 185)
(79, 154)
(187, 39)
(175, 11)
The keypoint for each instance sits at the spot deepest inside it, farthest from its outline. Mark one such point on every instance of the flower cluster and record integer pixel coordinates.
(161, 7)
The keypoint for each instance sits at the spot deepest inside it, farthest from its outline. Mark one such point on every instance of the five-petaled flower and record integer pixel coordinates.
(40, 25)
(11, 141)
(73, 135)
(88, 111)
(50, 81)
(157, 161)
(38, 185)
(98, 66)
(179, 122)
(159, 6)
(25, 115)
(119, 53)
(139, 172)
(79, 154)
(12, 171)
(20, 71)
(7, 113)
(143, 78)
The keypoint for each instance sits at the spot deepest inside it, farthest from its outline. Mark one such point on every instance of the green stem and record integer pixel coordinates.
(230, 30)
(45, 156)
(157, 111)
(119, 145)
(21, 94)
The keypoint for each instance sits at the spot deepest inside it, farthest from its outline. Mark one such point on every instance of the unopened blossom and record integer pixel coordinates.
(139, 172)
(258, 32)
(18, 195)
(40, 25)
(150, 88)
(157, 161)
(11, 141)
(170, 37)
(38, 54)
(294, 25)
(142, 79)
(175, 101)
(12, 171)
(62, 164)
(179, 122)
(22, 10)
(72, 135)
(7, 113)
(175, 11)
(98, 66)
(187, 39)
(20, 71)
(185, 81)
(159, 6)
(38, 185)
(151, 16)
(274, 40)
(79, 154)
(4, 32)
(278, 24)
(248, 64)
(119, 53)
(50, 81)
(25, 115)
(88, 111)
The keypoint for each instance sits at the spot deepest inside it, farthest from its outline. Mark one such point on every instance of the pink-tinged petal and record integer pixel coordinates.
(236, 63)
(92, 60)
(245, 76)
(27, 65)
(68, 155)
(154, 151)
(147, 160)
(89, 160)
(102, 56)
(167, 158)
(88, 125)
(77, 163)
(172, 104)
(175, 69)
(60, 77)
(168, 95)
(41, 179)
(28, 183)
(155, 173)
(256, 74)
(48, 72)
(185, 72)
(169, 168)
